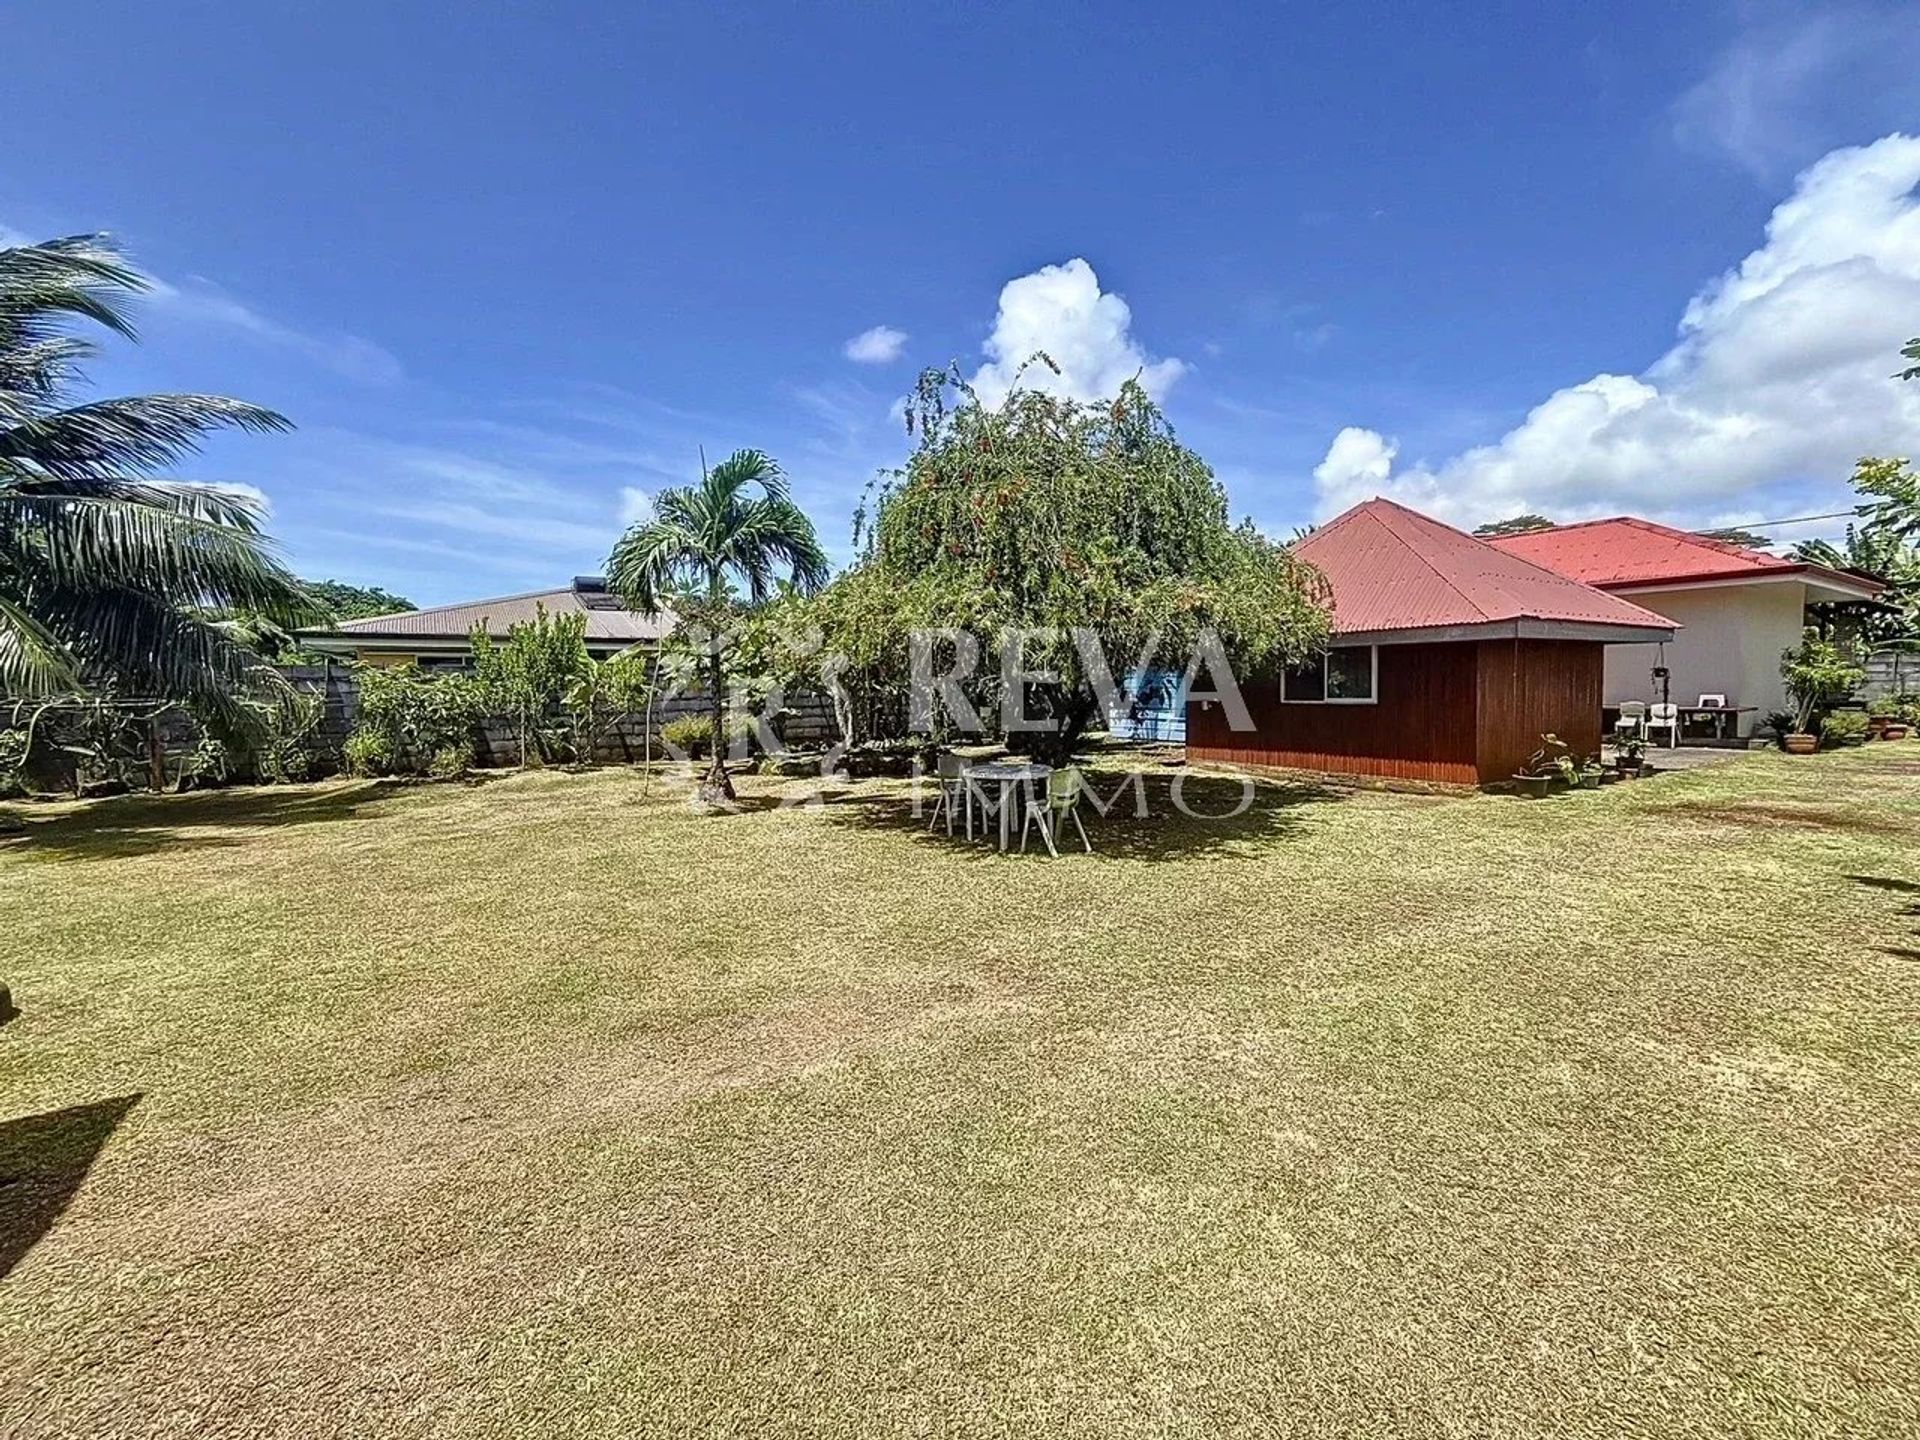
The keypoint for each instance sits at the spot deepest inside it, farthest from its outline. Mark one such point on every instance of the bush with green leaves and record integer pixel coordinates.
(409, 718)
(1820, 673)
(530, 674)
(14, 745)
(1780, 724)
(366, 753)
(1843, 727)
(692, 735)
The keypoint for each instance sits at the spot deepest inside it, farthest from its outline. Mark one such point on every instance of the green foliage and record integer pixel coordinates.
(693, 734)
(1514, 525)
(1734, 535)
(107, 574)
(285, 751)
(1553, 758)
(1819, 672)
(1049, 514)
(413, 717)
(1911, 351)
(1780, 724)
(368, 752)
(700, 543)
(450, 761)
(1843, 727)
(14, 747)
(342, 601)
(531, 673)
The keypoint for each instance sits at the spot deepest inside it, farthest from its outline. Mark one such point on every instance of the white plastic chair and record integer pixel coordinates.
(1664, 717)
(955, 786)
(1633, 719)
(1713, 702)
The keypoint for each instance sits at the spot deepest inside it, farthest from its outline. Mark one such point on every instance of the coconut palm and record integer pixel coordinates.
(108, 573)
(701, 540)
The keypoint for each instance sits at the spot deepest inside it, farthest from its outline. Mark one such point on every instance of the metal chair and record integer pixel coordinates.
(1664, 717)
(955, 786)
(1061, 803)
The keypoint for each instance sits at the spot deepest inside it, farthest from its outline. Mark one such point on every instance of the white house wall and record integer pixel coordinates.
(1730, 645)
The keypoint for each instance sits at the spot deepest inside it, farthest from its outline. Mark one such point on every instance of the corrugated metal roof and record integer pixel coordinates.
(1626, 550)
(456, 622)
(1391, 568)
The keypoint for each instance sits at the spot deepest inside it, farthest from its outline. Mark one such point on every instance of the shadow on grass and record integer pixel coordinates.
(141, 824)
(1911, 908)
(43, 1159)
(1186, 813)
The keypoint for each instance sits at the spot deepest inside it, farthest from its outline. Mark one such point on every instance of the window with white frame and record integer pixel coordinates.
(1340, 675)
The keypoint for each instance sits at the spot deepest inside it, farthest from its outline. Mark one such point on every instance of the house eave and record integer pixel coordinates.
(1521, 628)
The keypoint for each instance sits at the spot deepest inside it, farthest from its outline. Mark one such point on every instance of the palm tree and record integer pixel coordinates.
(109, 574)
(701, 539)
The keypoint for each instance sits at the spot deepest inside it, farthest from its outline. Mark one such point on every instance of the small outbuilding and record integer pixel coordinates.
(1450, 658)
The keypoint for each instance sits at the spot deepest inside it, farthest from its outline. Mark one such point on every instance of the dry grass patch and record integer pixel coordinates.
(541, 1107)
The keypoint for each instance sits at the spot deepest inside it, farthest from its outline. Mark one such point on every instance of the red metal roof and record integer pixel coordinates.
(1391, 568)
(1629, 551)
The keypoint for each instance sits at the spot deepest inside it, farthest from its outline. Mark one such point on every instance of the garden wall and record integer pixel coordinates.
(1889, 672)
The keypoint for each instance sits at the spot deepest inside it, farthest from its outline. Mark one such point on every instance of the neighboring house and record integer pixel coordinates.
(1449, 660)
(1739, 608)
(439, 635)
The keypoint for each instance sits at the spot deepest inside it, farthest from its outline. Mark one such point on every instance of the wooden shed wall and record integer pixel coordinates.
(1529, 687)
(1424, 727)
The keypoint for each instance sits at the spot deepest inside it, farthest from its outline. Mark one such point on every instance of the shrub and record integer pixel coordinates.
(692, 735)
(14, 745)
(1780, 724)
(1843, 727)
(449, 761)
(415, 717)
(367, 753)
(284, 746)
(1818, 673)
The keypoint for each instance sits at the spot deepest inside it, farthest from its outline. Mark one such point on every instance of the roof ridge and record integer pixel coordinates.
(1414, 551)
(458, 605)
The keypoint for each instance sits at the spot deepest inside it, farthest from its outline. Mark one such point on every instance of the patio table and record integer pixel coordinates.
(1009, 775)
(1725, 718)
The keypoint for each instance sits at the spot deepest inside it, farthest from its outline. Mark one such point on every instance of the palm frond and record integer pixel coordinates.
(33, 662)
(135, 432)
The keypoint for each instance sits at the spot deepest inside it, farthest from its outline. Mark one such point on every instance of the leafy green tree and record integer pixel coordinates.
(1819, 673)
(532, 671)
(1070, 523)
(1514, 525)
(702, 541)
(342, 601)
(109, 573)
(1734, 535)
(1911, 351)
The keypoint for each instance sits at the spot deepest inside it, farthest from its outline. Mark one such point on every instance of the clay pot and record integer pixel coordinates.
(1802, 744)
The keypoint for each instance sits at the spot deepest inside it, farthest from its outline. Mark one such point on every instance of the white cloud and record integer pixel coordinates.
(1781, 375)
(1061, 309)
(202, 302)
(877, 346)
(636, 506)
(1789, 79)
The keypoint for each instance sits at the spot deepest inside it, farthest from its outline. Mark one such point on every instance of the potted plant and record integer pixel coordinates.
(1629, 755)
(1546, 765)
(1880, 714)
(1818, 673)
(1780, 724)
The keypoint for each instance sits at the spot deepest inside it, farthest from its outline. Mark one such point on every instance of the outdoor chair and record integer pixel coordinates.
(1060, 804)
(955, 788)
(1664, 717)
(1712, 702)
(1633, 719)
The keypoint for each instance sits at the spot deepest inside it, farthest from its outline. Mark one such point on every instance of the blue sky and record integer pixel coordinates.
(507, 267)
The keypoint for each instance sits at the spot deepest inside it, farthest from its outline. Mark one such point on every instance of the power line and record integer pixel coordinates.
(1759, 525)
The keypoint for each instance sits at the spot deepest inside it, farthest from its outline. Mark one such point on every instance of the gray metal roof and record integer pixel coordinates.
(607, 622)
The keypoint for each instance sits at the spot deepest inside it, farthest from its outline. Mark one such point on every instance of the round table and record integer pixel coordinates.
(1008, 775)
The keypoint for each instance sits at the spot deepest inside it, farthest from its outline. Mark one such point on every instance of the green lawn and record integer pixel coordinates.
(534, 1108)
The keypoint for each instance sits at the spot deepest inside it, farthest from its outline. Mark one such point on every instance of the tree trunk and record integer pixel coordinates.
(716, 788)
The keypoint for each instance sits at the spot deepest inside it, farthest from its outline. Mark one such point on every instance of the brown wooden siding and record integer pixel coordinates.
(1422, 729)
(1531, 687)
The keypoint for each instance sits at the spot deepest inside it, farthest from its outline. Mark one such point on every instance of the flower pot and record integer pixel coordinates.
(1802, 744)
(1589, 779)
(1877, 725)
(1894, 731)
(1534, 787)
(1629, 769)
